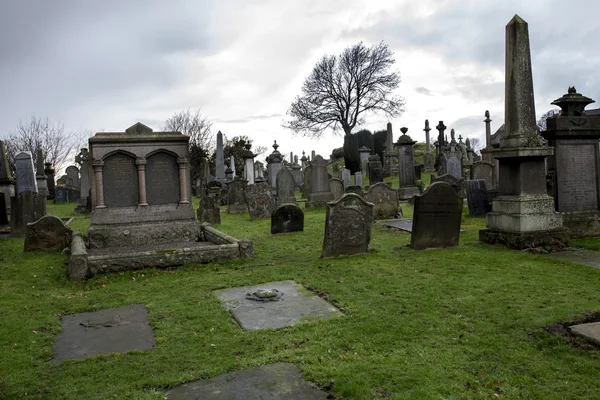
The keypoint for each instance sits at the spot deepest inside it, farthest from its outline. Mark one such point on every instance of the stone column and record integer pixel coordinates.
(141, 167)
(98, 165)
(183, 181)
(488, 130)
(219, 159)
(427, 129)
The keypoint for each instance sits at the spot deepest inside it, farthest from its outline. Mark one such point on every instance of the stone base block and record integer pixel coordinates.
(138, 234)
(523, 223)
(553, 240)
(137, 214)
(407, 192)
(582, 223)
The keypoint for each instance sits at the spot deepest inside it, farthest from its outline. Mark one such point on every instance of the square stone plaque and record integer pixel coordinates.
(114, 330)
(272, 381)
(294, 304)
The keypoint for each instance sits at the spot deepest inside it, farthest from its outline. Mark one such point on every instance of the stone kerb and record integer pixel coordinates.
(348, 225)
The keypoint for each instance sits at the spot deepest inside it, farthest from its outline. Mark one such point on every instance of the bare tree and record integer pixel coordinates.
(541, 123)
(56, 143)
(476, 144)
(194, 125)
(342, 88)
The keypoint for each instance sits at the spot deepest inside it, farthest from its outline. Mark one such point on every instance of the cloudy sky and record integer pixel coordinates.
(104, 65)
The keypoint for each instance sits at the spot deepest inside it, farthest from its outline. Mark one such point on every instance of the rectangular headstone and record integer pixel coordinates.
(26, 181)
(358, 179)
(219, 159)
(577, 185)
(477, 198)
(346, 177)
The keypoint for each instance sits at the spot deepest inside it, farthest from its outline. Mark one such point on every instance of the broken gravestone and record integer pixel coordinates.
(47, 233)
(287, 218)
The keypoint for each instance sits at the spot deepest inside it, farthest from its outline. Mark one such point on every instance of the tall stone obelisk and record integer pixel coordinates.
(220, 159)
(523, 214)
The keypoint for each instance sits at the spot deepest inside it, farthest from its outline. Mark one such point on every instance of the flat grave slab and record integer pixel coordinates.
(404, 224)
(589, 331)
(114, 330)
(272, 381)
(587, 257)
(294, 303)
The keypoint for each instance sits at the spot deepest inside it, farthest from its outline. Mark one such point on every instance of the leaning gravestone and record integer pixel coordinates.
(436, 218)
(236, 203)
(26, 181)
(260, 201)
(287, 218)
(384, 199)
(477, 198)
(209, 210)
(347, 226)
(25, 207)
(337, 188)
(286, 186)
(47, 233)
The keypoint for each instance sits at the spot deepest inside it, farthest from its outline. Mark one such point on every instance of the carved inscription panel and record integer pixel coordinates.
(120, 181)
(577, 181)
(162, 179)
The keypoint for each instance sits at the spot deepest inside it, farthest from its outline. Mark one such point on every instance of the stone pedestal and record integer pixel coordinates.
(406, 170)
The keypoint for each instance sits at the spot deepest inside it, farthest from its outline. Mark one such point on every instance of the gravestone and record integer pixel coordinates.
(26, 181)
(162, 179)
(484, 170)
(355, 189)
(364, 153)
(219, 159)
(50, 180)
(25, 207)
(307, 174)
(73, 173)
(384, 199)
(346, 177)
(258, 172)
(297, 174)
(40, 173)
(286, 186)
(320, 193)
(436, 218)
(457, 184)
(347, 226)
(287, 218)
(7, 183)
(65, 194)
(208, 210)
(336, 186)
(3, 213)
(120, 181)
(113, 330)
(236, 203)
(454, 166)
(375, 170)
(274, 164)
(47, 233)
(260, 201)
(477, 198)
(85, 182)
(358, 179)
(406, 170)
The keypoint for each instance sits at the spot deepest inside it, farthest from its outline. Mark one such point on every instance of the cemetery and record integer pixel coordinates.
(437, 273)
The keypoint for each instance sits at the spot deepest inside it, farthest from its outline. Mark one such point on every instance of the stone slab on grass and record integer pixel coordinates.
(589, 331)
(114, 330)
(404, 224)
(272, 381)
(294, 305)
(587, 257)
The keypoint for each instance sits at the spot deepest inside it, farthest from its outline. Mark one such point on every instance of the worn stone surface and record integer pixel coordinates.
(484, 170)
(375, 170)
(271, 381)
(78, 263)
(162, 179)
(113, 330)
(358, 179)
(120, 181)
(590, 331)
(47, 233)
(236, 193)
(287, 218)
(457, 184)
(587, 257)
(436, 218)
(320, 193)
(428, 162)
(384, 199)
(260, 201)
(26, 207)
(454, 166)
(307, 175)
(336, 186)
(286, 186)
(26, 181)
(345, 176)
(355, 189)
(297, 304)
(348, 224)
(63, 194)
(405, 224)
(406, 160)
(209, 211)
(3, 213)
(73, 173)
(550, 240)
(477, 198)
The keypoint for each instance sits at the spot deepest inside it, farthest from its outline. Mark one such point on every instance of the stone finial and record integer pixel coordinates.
(427, 128)
(459, 138)
(468, 144)
(572, 104)
(487, 116)
(275, 145)
(519, 104)
(452, 133)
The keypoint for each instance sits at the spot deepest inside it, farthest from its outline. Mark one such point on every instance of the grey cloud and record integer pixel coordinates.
(249, 119)
(423, 90)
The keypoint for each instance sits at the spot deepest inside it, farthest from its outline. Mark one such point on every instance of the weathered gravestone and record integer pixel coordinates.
(337, 188)
(286, 186)
(47, 233)
(209, 210)
(320, 193)
(84, 159)
(307, 174)
(3, 213)
(375, 170)
(484, 170)
(260, 201)
(25, 207)
(358, 179)
(407, 187)
(73, 173)
(477, 198)
(236, 203)
(26, 181)
(346, 177)
(454, 166)
(7, 183)
(436, 218)
(457, 184)
(384, 199)
(40, 173)
(50, 180)
(347, 226)
(287, 218)
(355, 189)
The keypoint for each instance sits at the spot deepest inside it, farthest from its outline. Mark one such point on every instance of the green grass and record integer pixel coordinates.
(466, 322)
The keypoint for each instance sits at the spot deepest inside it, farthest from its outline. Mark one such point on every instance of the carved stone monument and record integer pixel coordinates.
(220, 159)
(336, 186)
(40, 173)
(25, 207)
(428, 160)
(320, 193)
(274, 164)
(407, 187)
(236, 197)
(523, 214)
(477, 198)
(375, 170)
(286, 186)
(384, 199)
(260, 200)
(26, 181)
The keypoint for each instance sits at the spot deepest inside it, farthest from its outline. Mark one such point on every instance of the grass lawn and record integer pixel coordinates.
(466, 322)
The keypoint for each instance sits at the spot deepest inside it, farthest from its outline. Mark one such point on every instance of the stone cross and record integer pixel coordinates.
(441, 128)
